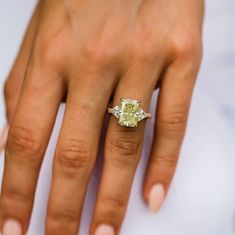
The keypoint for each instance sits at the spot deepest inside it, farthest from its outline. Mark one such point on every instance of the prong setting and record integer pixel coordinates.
(129, 112)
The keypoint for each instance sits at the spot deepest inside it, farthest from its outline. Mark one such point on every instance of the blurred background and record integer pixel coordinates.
(207, 167)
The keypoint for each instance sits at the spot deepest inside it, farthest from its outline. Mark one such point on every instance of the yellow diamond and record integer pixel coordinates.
(128, 109)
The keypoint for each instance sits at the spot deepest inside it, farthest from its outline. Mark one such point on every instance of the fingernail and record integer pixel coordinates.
(3, 137)
(156, 197)
(105, 229)
(11, 227)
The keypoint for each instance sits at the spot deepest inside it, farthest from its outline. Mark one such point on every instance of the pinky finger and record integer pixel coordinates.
(171, 117)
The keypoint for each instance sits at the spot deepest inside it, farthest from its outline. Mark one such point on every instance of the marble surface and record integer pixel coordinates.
(202, 197)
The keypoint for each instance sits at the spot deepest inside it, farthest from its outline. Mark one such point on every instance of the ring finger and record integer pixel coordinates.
(122, 153)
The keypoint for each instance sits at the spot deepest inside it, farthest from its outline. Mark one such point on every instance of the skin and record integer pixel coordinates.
(89, 53)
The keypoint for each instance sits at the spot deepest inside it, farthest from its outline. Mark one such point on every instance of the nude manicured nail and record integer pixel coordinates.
(105, 229)
(3, 137)
(156, 197)
(11, 227)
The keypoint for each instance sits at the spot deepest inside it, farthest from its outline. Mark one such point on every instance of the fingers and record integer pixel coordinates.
(14, 82)
(171, 117)
(122, 153)
(76, 153)
(3, 137)
(27, 140)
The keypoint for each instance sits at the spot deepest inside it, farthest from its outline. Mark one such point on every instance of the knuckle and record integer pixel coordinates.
(58, 220)
(114, 202)
(46, 53)
(14, 196)
(125, 146)
(74, 153)
(165, 161)
(124, 150)
(99, 52)
(8, 90)
(173, 122)
(25, 141)
(10, 87)
(65, 215)
(185, 45)
(165, 165)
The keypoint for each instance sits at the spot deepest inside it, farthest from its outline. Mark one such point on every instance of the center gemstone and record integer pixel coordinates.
(128, 111)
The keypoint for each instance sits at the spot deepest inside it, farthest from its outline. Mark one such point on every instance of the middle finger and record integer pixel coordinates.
(76, 152)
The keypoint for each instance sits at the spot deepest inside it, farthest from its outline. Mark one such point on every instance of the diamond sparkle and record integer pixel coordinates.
(129, 112)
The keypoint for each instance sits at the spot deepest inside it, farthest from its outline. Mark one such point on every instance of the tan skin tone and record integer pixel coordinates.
(90, 53)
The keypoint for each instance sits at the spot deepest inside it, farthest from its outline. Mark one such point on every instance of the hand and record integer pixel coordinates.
(86, 52)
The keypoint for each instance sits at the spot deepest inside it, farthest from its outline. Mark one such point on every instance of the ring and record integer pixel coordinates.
(129, 112)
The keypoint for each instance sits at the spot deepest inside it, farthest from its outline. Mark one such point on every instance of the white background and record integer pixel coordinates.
(202, 197)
